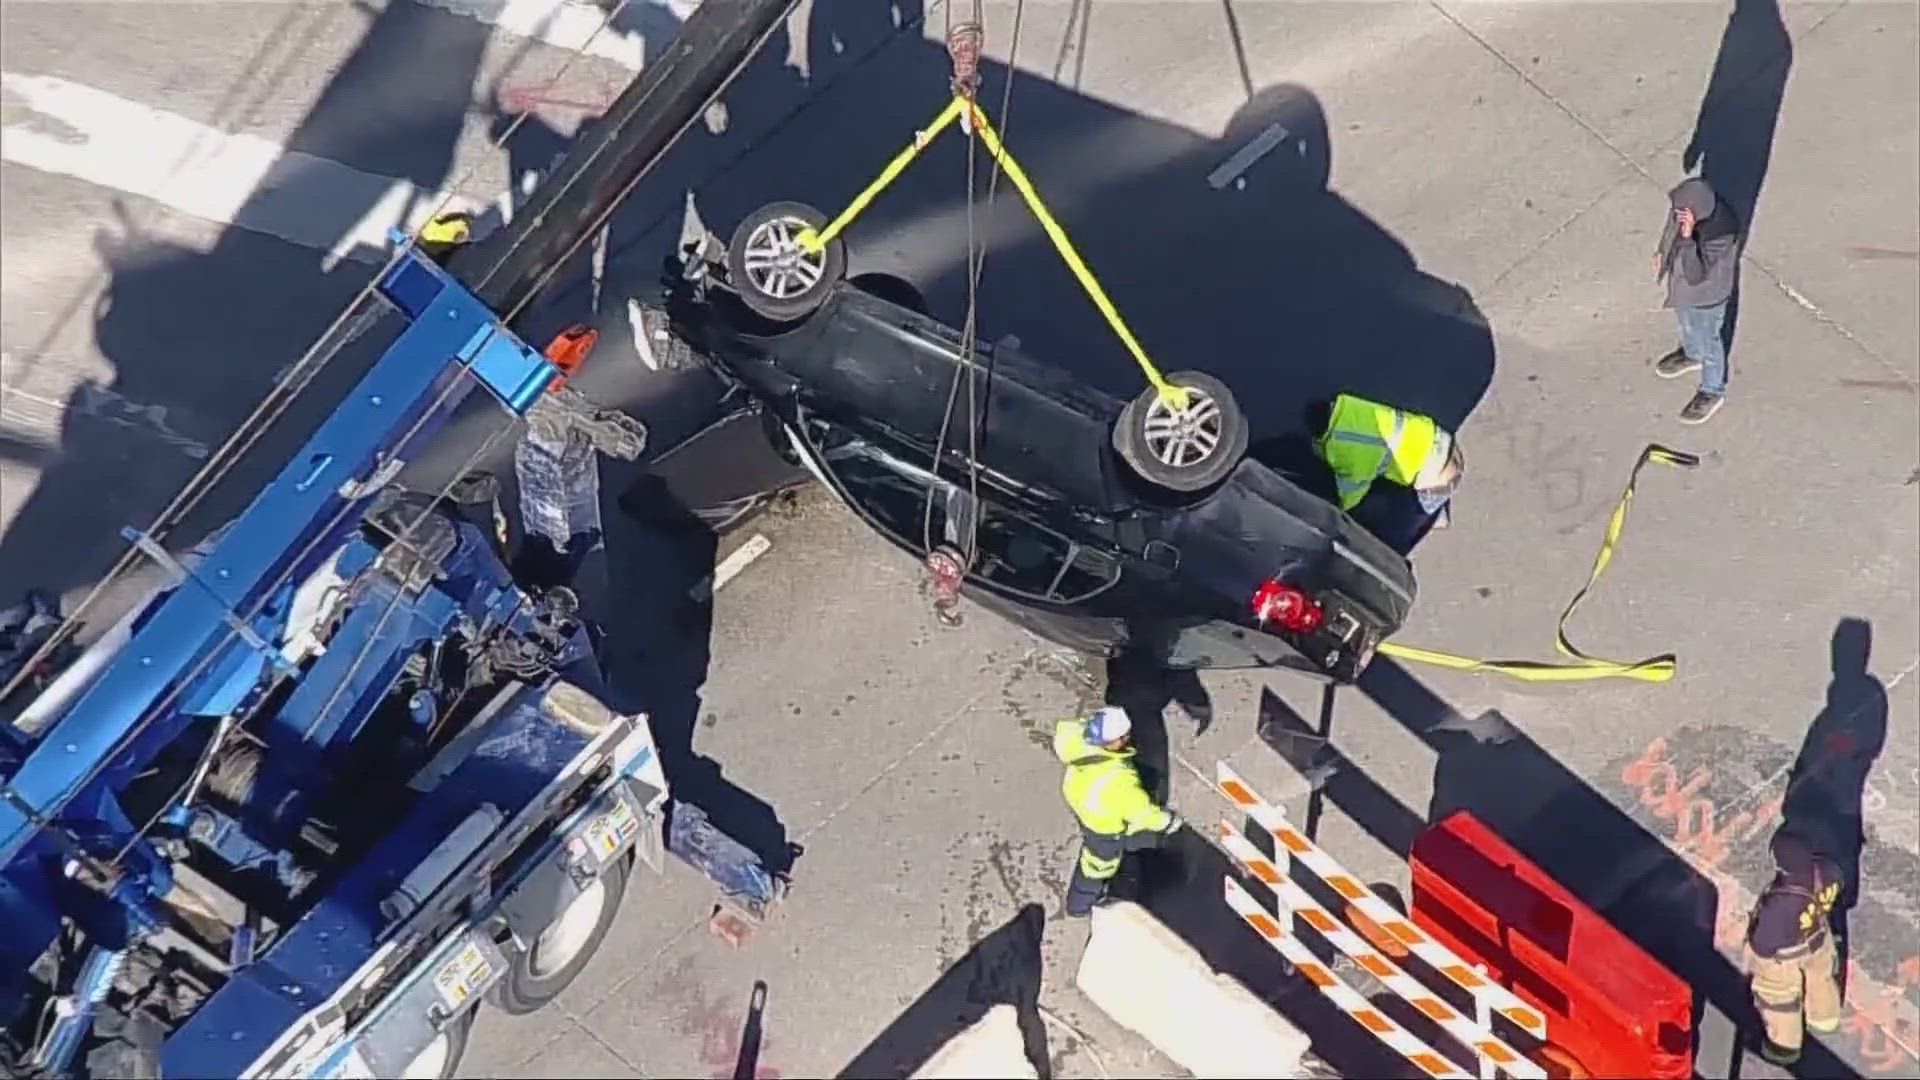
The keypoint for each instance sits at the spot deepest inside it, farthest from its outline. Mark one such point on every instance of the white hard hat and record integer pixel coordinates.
(1108, 724)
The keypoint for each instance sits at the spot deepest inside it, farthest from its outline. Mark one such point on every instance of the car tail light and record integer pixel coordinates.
(1294, 610)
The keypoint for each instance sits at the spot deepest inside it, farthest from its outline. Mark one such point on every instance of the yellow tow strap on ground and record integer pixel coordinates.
(1174, 396)
(1582, 666)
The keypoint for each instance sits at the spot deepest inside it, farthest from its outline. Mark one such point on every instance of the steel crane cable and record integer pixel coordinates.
(976, 263)
(405, 535)
(298, 378)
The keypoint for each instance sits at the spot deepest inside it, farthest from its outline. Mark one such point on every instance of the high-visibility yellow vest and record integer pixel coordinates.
(1366, 440)
(1102, 787)
(446, 229)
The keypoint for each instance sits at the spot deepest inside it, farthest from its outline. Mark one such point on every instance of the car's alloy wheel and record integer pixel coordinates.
(1185, 437)
(773, 272)
(1187, 448)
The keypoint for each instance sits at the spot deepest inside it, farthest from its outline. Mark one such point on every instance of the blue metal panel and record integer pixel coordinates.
(362, 660)
(521, 753)
(293, 522)
(500, 363)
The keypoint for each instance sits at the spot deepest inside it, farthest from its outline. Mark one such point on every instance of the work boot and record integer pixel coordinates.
(1700, 408)
(1675, 364)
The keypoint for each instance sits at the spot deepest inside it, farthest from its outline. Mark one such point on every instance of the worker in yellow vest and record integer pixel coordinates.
(1103, 788)
(445, 234)
(1366, 441)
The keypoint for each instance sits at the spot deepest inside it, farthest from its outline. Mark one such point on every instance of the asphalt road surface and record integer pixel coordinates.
(1459, 220)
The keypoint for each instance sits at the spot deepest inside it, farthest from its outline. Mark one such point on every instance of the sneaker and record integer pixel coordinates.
(1700, 408)
(1675, 364)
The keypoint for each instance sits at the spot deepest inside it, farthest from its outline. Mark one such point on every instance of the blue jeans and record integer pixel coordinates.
(1700, 329)
(1396, 516)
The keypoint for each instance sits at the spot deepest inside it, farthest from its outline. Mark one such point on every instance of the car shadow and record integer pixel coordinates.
(656, 622)
(1002, 968)
(1144, 688)
(1826, 787)
(1732, 142)
(197, 337)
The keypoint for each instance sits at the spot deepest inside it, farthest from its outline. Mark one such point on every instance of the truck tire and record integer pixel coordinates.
(549, 964)
(440, 1059)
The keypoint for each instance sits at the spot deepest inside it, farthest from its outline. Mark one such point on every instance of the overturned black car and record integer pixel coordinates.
(1098, 524)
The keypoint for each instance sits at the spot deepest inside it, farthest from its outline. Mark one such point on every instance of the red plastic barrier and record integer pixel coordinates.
(1611, 1007)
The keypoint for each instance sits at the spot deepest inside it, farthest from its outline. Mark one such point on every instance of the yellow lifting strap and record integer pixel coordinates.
(1175, 397)
(1583, 666)
(1654, 669)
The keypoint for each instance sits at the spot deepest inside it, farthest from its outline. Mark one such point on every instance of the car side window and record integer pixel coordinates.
(1012, 553)
(1019, 555)
(896, 502)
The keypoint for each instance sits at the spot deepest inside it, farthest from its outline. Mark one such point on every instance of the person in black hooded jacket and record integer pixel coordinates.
(1697, 258)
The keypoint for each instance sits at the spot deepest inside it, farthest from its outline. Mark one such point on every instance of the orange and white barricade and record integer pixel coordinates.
(1292, 849)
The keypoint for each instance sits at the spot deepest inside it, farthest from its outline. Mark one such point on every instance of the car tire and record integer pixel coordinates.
(1147, 439)
(535, 974)
(770, 272)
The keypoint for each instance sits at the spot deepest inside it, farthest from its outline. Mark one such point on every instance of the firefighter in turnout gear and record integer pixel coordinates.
(1365, 441)
(1116, 814)
(1792, 955)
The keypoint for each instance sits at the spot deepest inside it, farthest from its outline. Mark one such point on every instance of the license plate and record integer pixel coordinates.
(461, 976)
(610, 831)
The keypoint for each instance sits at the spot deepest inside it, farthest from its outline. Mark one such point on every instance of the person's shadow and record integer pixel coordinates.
(1732, 142)
(194, 336)
(1003, 968)
(1826, 788)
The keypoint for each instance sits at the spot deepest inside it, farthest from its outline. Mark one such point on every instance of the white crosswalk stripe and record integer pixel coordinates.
(157, 147)
(63, 127)
(59, 126)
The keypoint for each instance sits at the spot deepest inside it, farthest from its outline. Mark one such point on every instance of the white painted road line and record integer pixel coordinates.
(730, 567)
(69, 129)
(42, 420)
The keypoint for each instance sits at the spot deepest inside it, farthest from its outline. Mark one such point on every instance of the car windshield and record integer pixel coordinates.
(1012, 553)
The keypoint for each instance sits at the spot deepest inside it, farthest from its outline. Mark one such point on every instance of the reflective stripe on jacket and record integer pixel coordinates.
(1365, 440)
(1102, 787)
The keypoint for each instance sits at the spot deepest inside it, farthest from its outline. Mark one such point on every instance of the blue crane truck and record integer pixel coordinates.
(346, 773)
